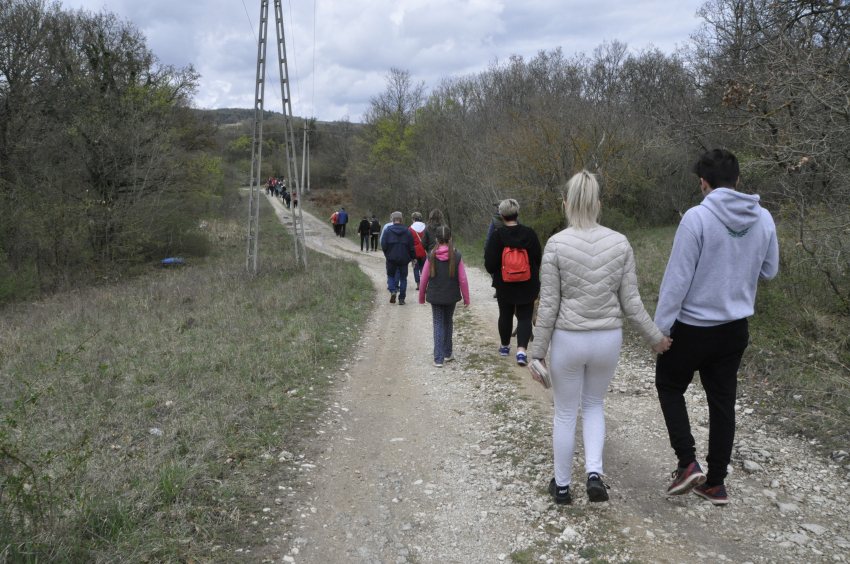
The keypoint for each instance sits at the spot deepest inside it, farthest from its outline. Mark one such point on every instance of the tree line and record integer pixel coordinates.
(103, 163)
(767, 79)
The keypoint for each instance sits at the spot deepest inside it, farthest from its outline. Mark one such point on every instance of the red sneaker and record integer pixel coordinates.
(716, 494)
(686, 479)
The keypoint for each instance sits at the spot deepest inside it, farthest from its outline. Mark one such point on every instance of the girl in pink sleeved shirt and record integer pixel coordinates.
(443, 284)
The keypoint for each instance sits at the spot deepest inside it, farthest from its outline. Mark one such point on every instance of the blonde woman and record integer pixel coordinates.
(588, 284)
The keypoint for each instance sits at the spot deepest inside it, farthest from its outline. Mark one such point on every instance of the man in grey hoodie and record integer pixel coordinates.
(723, 247)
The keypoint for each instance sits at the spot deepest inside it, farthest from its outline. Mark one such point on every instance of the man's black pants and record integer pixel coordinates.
(342, 229)
(716, 353)
(375, 241)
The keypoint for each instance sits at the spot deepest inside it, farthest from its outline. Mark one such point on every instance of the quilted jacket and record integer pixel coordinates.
(588, 282)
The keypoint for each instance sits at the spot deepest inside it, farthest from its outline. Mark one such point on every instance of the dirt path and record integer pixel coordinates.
(413, 463)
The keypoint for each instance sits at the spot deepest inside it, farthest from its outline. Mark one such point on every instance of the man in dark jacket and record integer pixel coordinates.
(374, 232)
(399, 251)
(363, 231)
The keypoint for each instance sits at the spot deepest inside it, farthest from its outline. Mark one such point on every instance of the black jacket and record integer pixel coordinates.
(363, 228)
(429, 238)
(441, 289)
(518, 237)
(376, 228)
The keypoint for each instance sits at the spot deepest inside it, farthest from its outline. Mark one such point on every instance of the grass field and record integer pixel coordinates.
(141, 420)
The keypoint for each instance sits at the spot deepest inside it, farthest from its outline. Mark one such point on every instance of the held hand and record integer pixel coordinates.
(663, 346)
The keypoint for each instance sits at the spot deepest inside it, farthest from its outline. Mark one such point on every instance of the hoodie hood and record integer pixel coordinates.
(443, 253)
(397, 228)
(516, 236)
(735, 210)
(418, 226)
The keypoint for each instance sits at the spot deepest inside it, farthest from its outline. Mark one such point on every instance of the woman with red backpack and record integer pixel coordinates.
(513, 256)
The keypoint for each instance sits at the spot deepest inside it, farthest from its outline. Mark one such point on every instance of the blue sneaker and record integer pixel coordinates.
(521, 359)
(504, 351)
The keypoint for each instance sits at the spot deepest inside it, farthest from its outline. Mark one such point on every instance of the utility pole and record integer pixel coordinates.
(289, 143)
(257, 144)
(304, 155)
(308, 166)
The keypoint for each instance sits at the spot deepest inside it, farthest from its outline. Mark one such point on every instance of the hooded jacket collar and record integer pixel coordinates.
(515, 236)
(737, 211)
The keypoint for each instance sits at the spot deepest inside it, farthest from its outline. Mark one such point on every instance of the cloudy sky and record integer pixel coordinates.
(357, 41)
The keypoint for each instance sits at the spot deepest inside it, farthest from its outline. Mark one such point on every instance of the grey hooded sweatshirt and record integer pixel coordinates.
(723, 247)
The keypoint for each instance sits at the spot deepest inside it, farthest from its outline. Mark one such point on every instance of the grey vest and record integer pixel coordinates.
(441, 289)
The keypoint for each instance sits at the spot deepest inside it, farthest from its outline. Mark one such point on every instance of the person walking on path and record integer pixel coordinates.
(397, 244)
(722, 248)
(429, 238)
(588, 284)
(342, 219)
(443, 285)
(519, 246)
(417, 229)
(375, 232)
(334, 219)
(363, 231)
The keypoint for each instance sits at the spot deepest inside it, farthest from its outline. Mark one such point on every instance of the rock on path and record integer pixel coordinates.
(413, 463)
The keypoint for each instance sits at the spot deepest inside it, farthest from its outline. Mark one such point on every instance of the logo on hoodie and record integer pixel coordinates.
(737, 235)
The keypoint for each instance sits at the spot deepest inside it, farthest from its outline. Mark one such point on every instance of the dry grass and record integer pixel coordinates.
(140, 444)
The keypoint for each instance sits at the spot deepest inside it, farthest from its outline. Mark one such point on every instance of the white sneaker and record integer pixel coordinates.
(449, 358)
(438, 365)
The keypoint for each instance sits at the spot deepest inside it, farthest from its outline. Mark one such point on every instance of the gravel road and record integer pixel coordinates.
(413, 463)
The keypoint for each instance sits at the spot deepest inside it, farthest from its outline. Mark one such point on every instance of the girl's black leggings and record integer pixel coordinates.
(506, 322)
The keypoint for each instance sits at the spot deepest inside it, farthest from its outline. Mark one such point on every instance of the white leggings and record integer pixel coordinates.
(581, 363)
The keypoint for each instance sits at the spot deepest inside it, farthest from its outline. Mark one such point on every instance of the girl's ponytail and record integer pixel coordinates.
(444, 236)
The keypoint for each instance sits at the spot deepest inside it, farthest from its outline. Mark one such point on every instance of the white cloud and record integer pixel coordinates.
(357, 41)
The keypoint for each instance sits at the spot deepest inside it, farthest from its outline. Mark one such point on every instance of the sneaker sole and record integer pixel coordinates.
(689, 484)
(714, 501)
(522, 362)
(596, 495)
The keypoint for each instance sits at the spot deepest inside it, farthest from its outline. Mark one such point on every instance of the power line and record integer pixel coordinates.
(265, 69)
(313, 94)
(295, 58)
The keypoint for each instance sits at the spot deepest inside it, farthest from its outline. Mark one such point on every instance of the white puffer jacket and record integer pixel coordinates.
(588, 282)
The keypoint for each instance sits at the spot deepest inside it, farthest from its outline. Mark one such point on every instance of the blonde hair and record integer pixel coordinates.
(509, 209)
(581, 199)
